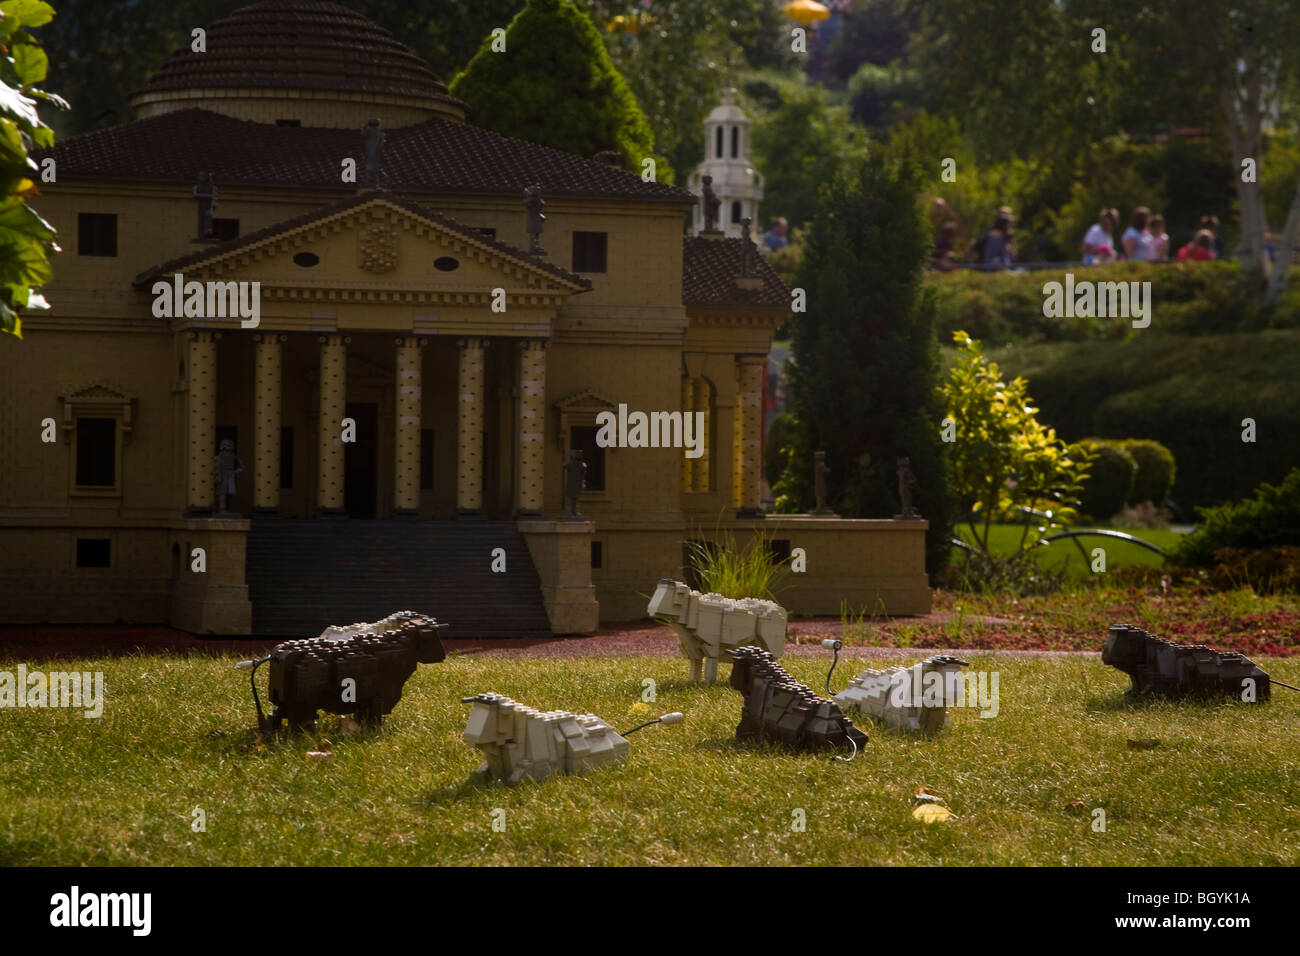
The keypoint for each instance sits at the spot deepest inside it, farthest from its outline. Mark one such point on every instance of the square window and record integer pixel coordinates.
(583, 438)
(488, 233)
(597, 555)
(96, 234)
(224, 229)
(96, 452)
(94, 552)
(589, 250)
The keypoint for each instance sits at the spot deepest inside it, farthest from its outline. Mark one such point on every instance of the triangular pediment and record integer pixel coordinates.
(586, 399)
(97, 392)
(373, 242)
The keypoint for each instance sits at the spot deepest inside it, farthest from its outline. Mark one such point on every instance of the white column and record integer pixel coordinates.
(266, 421)
(532, 421)
(406, 450)
(751, 402)
(333, 405)
(201, 418)
(469, 428)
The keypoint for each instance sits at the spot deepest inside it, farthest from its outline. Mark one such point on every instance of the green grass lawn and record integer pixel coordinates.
(1221, 788)
(1005, 539)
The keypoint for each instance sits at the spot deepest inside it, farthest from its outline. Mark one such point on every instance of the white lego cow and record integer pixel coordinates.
(708, 625)
(909, 698)
(519, 742)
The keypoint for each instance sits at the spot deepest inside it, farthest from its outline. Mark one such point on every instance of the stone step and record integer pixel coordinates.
(305, 575)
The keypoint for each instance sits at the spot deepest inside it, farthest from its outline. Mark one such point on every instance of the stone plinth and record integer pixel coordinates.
(561, 552)
(216, 600)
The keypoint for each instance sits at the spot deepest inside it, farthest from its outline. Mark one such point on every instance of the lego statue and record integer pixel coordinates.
(712, 205)
(228, 464)
(575, 481)
(906, 482)
(374, 145)
(206, 193)
(533, 204)
(749, 250)
(820, 471)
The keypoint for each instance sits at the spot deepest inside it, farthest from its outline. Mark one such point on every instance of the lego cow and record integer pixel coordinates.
(778, 707)
(358, 670)
(520, 743)
(708, 625)
(1161, 668)
(909, 698)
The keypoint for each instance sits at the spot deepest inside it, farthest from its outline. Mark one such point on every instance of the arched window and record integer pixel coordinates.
(735, 212)
(735, 141)
(718, 139)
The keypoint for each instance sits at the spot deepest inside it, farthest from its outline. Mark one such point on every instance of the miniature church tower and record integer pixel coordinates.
(736, 183)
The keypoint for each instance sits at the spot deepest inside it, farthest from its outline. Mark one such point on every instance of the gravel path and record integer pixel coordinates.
(64, 641)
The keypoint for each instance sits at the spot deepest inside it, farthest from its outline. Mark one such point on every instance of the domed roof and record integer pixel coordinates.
(300, 46)
(728, 112)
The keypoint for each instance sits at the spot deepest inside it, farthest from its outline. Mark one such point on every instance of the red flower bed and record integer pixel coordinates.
(1077, 621)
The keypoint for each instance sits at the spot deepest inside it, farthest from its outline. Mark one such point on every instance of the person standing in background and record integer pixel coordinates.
(1136, 240)
(1099, 240)
(1159, 248)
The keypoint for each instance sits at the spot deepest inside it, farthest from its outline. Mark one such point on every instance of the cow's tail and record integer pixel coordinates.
(252, 667)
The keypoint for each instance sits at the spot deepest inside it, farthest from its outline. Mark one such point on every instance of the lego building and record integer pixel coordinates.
(399, 359)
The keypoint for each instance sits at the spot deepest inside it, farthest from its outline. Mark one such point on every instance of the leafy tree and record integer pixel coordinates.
(1003, 462)
(677, 55)
(865, 367)
(26, 240)
(1026, 82)
(871, 32)
(556, 85)
(799, 145)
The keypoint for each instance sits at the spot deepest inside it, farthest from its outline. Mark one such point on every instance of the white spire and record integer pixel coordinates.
(726, 158)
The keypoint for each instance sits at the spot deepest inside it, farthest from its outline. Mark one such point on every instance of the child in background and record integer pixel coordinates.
(1199, 249)
(1159, 247)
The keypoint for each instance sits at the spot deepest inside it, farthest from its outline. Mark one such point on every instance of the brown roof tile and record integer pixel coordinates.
(334, 209)
(299, 44)
(435, 157)
(710, 268)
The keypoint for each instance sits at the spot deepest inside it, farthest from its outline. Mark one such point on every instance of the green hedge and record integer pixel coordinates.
(1200, 298)
(1190, 394)
(1268, 518)
(1110, 477)
(1155, 471)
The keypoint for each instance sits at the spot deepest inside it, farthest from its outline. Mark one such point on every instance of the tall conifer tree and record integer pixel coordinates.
(865, 372)
(554, 84)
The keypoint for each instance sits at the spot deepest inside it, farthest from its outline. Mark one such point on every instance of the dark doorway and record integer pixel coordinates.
(361, 462)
